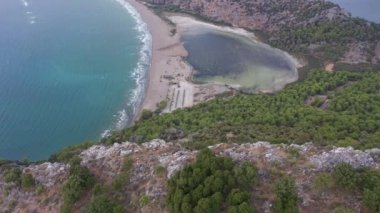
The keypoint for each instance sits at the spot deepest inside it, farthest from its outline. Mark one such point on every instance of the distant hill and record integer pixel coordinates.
(316, 29)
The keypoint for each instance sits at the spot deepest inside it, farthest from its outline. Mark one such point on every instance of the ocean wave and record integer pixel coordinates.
(25, 3)
(32, 19)
(140, 72)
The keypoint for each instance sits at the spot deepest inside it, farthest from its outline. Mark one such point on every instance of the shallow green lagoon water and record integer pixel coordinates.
(237, 60)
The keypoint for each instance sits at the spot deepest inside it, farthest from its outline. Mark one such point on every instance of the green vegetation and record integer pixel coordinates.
(332, 36)
(323, 181)
(27, 181)
(286, 196)
(363, 180)
(79, 181)
(146, 114)
(13, 175)
(342, 209)
(108, 198)
(122, 179)
(210, 184)
(16, 176)
(160, 171)
(144, 200)
(353, 115)
(102, 203)
(161, 106)
(66, 154)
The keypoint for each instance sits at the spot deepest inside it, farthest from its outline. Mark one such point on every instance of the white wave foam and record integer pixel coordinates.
(139, 73)
(31, 18)
(25, 3)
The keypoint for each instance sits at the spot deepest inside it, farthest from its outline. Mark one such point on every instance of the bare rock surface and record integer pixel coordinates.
(302, 162)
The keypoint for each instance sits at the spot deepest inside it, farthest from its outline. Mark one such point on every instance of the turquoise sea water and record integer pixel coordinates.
(69, 71)
(368, 9)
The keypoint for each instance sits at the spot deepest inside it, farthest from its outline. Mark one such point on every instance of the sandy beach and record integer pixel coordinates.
(167, 66)
(169, 74)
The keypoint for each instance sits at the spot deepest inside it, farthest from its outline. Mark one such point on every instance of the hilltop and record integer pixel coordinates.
(137, 176)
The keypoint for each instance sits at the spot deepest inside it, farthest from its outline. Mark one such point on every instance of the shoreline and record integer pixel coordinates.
(167, 67)
(169, 76)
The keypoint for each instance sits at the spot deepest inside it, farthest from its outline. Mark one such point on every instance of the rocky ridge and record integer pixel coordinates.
(302, 162)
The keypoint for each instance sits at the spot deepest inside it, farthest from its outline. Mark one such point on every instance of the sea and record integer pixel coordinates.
(70, 71)
(367, 9)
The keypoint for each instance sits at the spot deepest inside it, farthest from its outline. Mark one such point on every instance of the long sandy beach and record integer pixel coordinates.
(170, 76)
(167, 66)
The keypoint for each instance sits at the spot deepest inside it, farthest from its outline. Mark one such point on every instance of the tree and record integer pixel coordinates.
(102, 204)
(286, 196)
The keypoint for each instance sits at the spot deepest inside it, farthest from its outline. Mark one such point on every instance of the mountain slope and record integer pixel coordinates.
(315, 29)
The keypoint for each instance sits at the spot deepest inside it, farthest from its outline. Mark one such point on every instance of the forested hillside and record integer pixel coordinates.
(341, 108)
(317, 30)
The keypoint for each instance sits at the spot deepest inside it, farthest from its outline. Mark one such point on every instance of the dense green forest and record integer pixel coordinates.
(349, 116)
(211, 184)
(215, 184)
(331, 37)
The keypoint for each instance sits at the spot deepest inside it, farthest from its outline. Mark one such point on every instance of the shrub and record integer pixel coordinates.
(146, 114)
(103, 204)
(27, 181)
(80, 179)
(122, 179)
(346, 176)
(66, 154)
(160, 171)
(144, 200)
(13, 175)
(365, 181)
(323, 181)
(342, 209)
(39, 189)
(286, 196)
(161, 106)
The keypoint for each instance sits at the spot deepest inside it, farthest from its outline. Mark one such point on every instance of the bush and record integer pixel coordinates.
(103, 204)
(286, 196)
(66, 154)
(160, 171)
(122, 179)
(27, 181)
(161, 106)
(144, 200)
(345, 176)
(146, 114)
(39, 189)
(209, 183)
(323, 181)
(364, 181)
(80, 179)
(341, 209)
(13, 175)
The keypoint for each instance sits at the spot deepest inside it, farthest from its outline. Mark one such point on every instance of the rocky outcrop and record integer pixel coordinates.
(302, 162)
